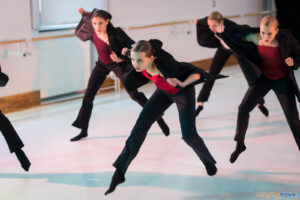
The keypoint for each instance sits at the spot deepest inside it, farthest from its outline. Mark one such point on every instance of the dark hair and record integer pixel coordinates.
(105, 15)
(143, 46)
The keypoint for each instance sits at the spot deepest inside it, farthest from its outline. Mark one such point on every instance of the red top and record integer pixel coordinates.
(273, 65)
(161, 83)
(103, 50)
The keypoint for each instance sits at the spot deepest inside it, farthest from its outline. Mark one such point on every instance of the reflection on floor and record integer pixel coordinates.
(165, 168)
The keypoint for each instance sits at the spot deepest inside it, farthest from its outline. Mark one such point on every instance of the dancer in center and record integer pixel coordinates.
(109, 42)
(175, 84)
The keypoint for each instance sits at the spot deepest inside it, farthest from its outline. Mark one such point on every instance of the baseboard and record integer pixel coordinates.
(20, 101)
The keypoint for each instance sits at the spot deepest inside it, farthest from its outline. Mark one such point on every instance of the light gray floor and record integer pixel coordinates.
(165, 168)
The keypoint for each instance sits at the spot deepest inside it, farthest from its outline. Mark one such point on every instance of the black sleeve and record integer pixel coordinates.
(124, 39)
(233, 37)
(205, 36)
(84, 30)
(295, 50)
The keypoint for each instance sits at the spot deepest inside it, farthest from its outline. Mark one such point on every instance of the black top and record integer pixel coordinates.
(118, 39)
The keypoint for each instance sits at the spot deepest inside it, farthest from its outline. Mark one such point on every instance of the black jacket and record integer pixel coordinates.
(289, 47)
(118, 39)
(171, 68)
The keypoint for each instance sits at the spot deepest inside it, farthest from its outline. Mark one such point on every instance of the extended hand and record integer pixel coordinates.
(175, 82)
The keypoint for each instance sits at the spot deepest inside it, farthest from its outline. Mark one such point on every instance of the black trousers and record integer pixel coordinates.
(284, 91)
(156, 105)
(218, 62)
(96, 80)
(12, 139)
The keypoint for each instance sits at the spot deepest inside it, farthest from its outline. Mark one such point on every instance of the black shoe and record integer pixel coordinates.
(117, 179)
(198, 110)
(25, 163)
(79, 136)
(164, 127)
(238, 150)
(211, 169)
(264, 110)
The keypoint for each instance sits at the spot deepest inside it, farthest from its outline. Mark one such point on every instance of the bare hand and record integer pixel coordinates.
(115, 58)
(289, 61)
(81, 10)
(195, 21)
(220, 28)
(124, 51)
(175, 82)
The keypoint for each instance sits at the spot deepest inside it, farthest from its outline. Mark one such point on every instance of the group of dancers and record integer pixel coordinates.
(267, 56)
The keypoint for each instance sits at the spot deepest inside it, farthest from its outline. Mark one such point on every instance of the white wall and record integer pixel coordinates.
(69, 58)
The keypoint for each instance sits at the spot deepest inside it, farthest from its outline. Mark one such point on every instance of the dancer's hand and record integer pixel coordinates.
(220, 28)
(175, 82)
(195, 21)
(125, 51)
(81, 10)
(289, 61)
(115, 58)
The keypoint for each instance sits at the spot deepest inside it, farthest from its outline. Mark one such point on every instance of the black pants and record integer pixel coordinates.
(218, 62)
(156, 105)
(12, 139)
(284, 91)
(96, 79)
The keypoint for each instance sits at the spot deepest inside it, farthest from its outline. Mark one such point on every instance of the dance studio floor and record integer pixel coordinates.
(165, 168)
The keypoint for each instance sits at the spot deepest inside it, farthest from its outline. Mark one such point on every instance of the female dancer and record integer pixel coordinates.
(109, 42)
(206, 36)
(13, 141)
(175, 84)
(276, 53)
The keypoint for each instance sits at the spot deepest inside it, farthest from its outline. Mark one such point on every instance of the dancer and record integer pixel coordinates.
(13, 141)
(277, 54)
(175, 84)
(109, 42)
(206, 36)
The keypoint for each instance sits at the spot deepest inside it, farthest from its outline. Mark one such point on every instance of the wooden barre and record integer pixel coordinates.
(52, 37)
(259, 13)
(161, 24)
(12, 41)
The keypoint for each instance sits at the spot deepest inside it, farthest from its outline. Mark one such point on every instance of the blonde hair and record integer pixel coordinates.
(269, 21)
(216, 16)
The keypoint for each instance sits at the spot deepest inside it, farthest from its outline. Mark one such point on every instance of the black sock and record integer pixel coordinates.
(240, 147)
(117, 179)
(198, 110)
(81, 135)
(24, 161)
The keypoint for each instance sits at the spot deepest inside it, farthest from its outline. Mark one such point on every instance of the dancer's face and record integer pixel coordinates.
(100, 24)
(140, 61)
(268, 33)
(213, 25)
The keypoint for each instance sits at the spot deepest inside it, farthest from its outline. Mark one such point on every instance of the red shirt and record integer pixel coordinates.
(273, 65)
(103, 50)
(161, 83)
